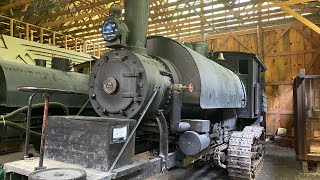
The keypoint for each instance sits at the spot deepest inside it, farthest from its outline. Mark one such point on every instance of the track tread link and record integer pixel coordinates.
(242, 162)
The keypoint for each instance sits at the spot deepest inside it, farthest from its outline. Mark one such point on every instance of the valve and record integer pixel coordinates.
(180, 87)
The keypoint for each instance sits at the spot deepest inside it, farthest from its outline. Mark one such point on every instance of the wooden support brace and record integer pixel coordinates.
(225, 39)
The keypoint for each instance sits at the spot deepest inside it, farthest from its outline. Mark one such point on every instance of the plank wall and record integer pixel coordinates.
(285, 50)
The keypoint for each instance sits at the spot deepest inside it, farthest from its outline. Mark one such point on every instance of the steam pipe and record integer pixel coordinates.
(176, 125)
(136, 18)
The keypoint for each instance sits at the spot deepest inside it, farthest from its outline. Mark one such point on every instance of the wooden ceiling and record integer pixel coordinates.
(178, 19)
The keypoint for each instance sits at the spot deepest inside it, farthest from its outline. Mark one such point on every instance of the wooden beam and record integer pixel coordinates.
(260, 41)
(15, 4)
(301, 18)
(75, 18)
(219, 23)
(75, 9)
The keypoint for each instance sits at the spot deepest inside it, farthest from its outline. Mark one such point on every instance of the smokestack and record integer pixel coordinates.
(136, 18)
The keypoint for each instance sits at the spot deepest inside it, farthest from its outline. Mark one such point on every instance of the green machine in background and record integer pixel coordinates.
(199, 47)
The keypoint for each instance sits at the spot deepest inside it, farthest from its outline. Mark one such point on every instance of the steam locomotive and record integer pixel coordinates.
(213, 108)
(155, 94)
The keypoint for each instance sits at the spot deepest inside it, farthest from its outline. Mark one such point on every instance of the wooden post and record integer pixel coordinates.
(11, 27)
(260, 42)
(84, 47)
(49, 42)
(94, 49)
(31, 35)
(27, 32)
(76, 44)
(65, 42)
(99, 53)
(54, 39)
(41, 35)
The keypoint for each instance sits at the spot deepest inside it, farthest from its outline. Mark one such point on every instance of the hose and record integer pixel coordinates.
(34, 106)
(17, 126)
(22, 109)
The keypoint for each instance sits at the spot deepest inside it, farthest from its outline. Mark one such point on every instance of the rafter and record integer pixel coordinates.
(15, 4)
(301, 18)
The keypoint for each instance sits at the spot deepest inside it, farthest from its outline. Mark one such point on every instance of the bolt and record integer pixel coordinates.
(93, 96)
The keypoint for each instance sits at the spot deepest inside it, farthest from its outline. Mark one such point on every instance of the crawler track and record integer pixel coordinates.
(245, 153)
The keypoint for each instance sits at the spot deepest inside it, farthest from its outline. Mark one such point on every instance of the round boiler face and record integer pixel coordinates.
(115, 85)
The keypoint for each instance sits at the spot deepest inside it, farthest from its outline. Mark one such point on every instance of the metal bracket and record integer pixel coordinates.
(164, 135)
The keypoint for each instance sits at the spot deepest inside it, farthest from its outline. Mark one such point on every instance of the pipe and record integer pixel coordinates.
(44, 130)
(136, 18)
(134, 129)
(176, 125)
(26, 145)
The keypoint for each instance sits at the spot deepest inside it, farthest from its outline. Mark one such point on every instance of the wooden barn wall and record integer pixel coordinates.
(285, 50)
